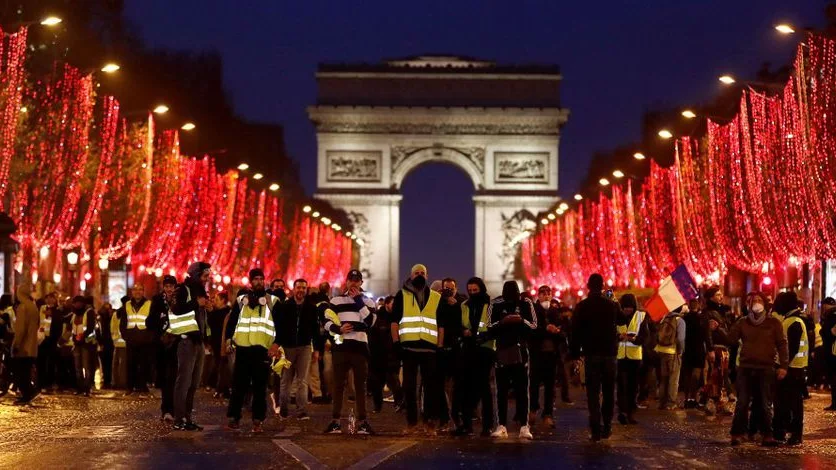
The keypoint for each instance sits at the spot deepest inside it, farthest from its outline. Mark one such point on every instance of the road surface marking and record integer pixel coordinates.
(301, 455)
(379, 457)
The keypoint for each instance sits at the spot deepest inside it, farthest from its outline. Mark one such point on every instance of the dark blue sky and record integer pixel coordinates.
(618, 58)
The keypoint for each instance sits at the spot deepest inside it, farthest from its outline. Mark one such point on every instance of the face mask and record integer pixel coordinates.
(757, 308)
(419, 282)
(545, 304)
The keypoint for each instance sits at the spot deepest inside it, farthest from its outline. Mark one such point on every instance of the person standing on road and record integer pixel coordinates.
(277, 288)
(85, 340)
(139, 340)
(187, 319)
(158, 322)
(828, 334)
(595, 336)
(252, 331)
(698, 348)
(417, 335)
(384, 366)
(25, 344)
(512, 321)
(106, 347)
(348, 318)
(297, 329)
(48, 334)
(546, 357)
(762, 340)
(449, 320)
(478, 358)
(670, 342)
(789, 403)
(120, 353)
(215, 320)
(632, 333)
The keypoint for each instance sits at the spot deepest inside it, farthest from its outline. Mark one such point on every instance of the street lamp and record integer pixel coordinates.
(243, 167)
(618, 174)
(563, 206)
(51, 21)
(189, 126)
(784, 28)
(258, 176)
(578, 197)
(689, 114)
(727, 79)
(161, 109)
(103, 264)
(315, 214)
(639, 156)
(72, 262)
(544, 221)
(665, 134)
(306, 209)
(274, 187)
(111, 67)
(604, 182)
(551, 217)
(44, 252)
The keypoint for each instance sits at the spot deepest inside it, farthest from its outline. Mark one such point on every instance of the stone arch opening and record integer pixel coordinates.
(470, 160)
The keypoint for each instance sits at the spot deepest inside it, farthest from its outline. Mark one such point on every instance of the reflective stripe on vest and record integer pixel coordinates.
(185, 323)
(136, 318)
(626, 349)
(483, 323)
(801, 358)
(255, 325)
(419, 324)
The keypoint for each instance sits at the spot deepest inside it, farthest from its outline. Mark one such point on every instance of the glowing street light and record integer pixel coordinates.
(72, 258)
(44, 252)
(689, 114)
(639, 156)
(326, 221)
(306, 209)
(24, 109)
(315, 214)
(665, 134)
(103, 264)
(258, 176)
(274, 187)
(604, 182)
(111, 67)
(189, 126)
(618, 174)
(784, 28)
(544, 221)
(578, 197)
(563, 206)
(51, 21)
(551, 217)
(243, 167)
(727, 79)
(161, 109)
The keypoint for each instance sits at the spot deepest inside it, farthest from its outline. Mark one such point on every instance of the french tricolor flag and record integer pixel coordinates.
(674, 291)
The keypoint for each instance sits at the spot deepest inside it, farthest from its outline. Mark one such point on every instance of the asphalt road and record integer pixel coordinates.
(110, 431)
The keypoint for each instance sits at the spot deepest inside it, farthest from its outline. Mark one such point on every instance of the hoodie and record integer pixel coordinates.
(421, 296)
(186, 295)
(509, 333)
(27, 322)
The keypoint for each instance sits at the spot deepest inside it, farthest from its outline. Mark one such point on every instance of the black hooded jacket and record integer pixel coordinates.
(508, 332)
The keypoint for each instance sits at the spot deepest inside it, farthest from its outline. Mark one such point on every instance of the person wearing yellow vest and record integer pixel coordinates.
(158, 322)
(349, 318)
(417, 336)
(828, 336)
(477, 357)
(85, 340)
(789, 403)
(670, 346)
(251, 330)
(633, 330)
(139, 340)
(120, 349)
(187, 319)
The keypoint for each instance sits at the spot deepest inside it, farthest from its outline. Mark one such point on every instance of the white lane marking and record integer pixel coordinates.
(301, 455)
(379, 457)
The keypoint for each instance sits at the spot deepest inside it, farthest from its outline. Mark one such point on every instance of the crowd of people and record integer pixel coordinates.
(449, 359)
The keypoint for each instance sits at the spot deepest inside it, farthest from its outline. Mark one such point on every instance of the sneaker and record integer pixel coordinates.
(334, 428)
(568, 402)
(794, 440)
(365, 429)
(233, 424)
(500, 432)
(258, 428)
(167, 418)
(303, 416)
(389, 399)
(192, 426)
(641, 405)
(400, 407)
(525, 433)
(179, 426)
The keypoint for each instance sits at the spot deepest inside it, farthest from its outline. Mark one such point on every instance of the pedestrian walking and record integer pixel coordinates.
(512, 322)
(187, 319)
(348, 318)
(417, 336)
(546, 363)
(632, 333)
(595, 337)
(25, 344)
(252, 329)
(140, 342)
(761, 339)
(297, 330)
(478, 357)
(789, 403)
(450, 322)
(158, 322)
(670, 343)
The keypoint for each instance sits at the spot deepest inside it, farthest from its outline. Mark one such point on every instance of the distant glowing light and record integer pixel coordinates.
(189, 126)
(604, 182)
(618, 174)
(639, 156)
(111, 67)
(727, 79)
(665, 134)
(784, 29)
(689, 114)
(578, 197)
(161, 109)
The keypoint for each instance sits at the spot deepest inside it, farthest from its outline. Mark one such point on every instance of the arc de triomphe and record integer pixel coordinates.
(500, 124)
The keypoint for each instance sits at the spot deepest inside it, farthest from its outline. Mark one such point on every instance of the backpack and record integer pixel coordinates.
(667, 331)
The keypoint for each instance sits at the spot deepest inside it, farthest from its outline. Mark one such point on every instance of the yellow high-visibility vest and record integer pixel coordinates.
(483, 323)
(802, 357)
(185, 323)
(136, 318)
(255, 324)
(626, 349)
(115, 334)
(819, 339)
(419, 324)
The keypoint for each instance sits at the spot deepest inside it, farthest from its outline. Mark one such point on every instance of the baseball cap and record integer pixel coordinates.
(355, 274)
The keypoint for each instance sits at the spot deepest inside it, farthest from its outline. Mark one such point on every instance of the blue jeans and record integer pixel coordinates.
(753, 385)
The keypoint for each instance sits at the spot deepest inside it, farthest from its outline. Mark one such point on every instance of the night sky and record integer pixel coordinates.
(618, 59)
